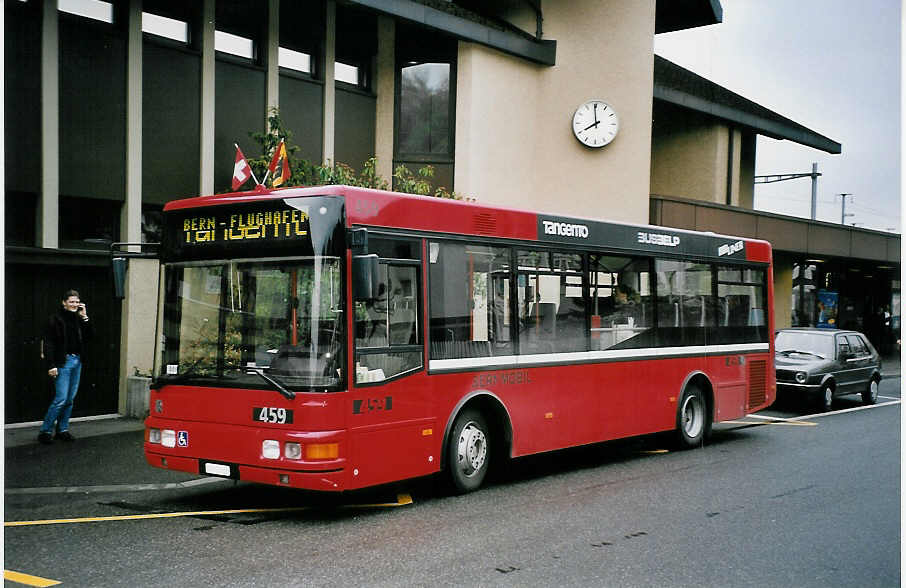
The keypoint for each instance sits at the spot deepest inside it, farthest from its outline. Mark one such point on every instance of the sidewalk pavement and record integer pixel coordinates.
(17, 435)
(27, 434)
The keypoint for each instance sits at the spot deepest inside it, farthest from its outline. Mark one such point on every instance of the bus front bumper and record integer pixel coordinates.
(329, 480)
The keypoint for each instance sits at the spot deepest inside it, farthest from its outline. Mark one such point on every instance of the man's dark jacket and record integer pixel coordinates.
(60, 329)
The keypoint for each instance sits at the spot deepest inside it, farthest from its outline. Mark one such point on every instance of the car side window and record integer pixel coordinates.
(856, 344)
(842, 347)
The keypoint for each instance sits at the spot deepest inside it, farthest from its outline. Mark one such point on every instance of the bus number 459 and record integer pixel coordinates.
(276, 416)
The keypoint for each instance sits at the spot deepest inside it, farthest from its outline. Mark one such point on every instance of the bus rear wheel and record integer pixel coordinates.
(468, 451)
(692, 418)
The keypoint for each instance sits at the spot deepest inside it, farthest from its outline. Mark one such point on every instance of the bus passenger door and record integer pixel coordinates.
(391, 428)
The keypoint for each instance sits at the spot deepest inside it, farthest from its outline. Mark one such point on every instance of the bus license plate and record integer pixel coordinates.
(274, 416)
(218, 469)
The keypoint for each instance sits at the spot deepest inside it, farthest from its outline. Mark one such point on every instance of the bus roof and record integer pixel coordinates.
(394, 210)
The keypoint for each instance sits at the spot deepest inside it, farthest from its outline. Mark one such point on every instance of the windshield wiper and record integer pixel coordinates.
(289, 394)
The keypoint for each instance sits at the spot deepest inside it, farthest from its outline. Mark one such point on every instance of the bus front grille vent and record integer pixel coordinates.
(758, 382)
(485, 224)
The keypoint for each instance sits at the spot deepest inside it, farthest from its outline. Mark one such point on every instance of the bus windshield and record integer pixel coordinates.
(263, 323)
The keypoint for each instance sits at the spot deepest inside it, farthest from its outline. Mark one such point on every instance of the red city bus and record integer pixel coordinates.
(333, 337)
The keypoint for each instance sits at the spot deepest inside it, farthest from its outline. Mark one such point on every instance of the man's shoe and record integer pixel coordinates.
(45, 438)
(65, 436)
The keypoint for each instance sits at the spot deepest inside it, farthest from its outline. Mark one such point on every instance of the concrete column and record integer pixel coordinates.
(385, 79)
(783, 291)
(273, 57)
(139, 316)
(48, 229)
(132, 211)
(330, 92)
(208, 64)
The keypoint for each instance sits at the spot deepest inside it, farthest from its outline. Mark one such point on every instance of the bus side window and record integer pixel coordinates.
(470, 300)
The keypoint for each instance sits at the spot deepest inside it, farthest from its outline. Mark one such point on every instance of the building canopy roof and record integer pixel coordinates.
(482, 21)
(677, 15)
(680, 86)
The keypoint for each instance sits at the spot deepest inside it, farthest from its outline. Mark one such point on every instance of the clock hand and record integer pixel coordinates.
(594, 124)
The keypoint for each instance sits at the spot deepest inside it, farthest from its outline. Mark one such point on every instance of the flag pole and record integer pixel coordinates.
(236, 145)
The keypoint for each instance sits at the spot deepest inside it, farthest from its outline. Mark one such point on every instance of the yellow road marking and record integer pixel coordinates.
(402, 500)
(27, 579)
(761, 423)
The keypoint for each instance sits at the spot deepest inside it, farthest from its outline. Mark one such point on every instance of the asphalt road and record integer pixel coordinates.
(779, 499)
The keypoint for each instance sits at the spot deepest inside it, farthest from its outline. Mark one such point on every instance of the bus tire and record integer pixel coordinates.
(468, 451)
(692, 418)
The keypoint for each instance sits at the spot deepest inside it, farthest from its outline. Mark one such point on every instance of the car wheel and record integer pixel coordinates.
(870, 394)
(692, 418)
(826, 398)
(468, 451)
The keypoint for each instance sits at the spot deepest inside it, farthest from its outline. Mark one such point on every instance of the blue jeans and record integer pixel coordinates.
(67, 385)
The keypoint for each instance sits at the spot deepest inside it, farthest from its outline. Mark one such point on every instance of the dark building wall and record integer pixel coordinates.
(239, 110)
(171, 143)
(354, 129)
(34, 286)
(22, 97)
(301, 108)
(92, 110)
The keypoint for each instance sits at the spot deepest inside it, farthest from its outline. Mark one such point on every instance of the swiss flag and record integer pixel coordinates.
(241, 170)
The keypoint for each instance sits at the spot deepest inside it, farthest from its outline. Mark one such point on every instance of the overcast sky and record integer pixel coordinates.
(830, 65)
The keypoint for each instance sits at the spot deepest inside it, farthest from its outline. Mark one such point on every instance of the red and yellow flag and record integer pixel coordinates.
(281, 162)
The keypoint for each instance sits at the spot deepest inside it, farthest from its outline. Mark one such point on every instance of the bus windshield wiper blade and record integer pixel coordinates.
(289, 394)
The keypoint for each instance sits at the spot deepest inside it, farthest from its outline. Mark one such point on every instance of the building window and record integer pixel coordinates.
(234, 45)
(93, 9)
(425, 127)
(152, 223)
(294, 60)
(168, 28)
(344, 72)
(89, 223)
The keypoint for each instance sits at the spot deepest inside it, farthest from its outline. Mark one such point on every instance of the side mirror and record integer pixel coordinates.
(366, 276)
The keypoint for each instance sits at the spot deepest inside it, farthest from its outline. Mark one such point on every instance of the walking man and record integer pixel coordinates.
(68, 330)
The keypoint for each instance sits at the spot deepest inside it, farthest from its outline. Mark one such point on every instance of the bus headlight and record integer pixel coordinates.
(292, 451)
(270, 449)
(168, 438)
(801, 377)
(153, 435)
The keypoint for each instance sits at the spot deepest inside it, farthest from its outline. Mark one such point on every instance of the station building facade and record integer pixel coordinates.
(114, 107)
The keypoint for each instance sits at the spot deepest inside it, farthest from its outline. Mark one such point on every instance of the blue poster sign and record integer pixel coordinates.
(827, 309)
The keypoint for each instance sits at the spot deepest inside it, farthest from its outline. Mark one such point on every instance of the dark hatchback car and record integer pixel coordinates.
(821, 364)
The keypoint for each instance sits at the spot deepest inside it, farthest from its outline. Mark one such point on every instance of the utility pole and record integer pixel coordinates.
(843, 214)
(769, 179)
(815, 175)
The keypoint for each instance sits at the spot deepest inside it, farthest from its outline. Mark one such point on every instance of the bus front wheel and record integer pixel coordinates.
(468, 451)
(692, 418)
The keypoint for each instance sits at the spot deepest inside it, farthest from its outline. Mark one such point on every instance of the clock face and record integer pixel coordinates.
(595, 123)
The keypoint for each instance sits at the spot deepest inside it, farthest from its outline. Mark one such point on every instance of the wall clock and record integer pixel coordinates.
(595, 123)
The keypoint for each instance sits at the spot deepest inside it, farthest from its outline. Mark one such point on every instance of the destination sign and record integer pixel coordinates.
(289, 223)
(301, 226)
